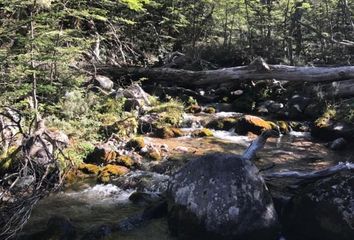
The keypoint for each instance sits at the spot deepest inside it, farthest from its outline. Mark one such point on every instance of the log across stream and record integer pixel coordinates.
(230, 77)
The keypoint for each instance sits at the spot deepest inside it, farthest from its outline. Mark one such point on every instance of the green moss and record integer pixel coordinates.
(111, 170)
(202, 133)
(283, 127)
(123, 128)
(8, 159)
(137, 143)
(169, 113)
(222, 123)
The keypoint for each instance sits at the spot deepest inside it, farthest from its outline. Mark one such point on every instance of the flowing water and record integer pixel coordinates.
(90, 205)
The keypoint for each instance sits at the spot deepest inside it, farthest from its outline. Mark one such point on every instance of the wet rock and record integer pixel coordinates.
(167, 132)
(110, 171)
(338, 144)
(204, 132)
(220, 196)
(322, 210)
(144, 198)
(252, 124)
(143, 181)
(88, 168)
(222, 123)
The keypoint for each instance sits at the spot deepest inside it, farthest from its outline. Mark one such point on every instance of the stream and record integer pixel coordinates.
(89, 205)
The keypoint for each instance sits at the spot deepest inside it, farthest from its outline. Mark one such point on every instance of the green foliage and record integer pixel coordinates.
(170, 113)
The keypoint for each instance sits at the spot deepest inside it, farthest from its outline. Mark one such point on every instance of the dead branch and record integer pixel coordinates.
(33, 174)
(314, 175)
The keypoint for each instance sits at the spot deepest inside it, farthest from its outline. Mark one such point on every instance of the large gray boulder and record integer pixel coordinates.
(221, 196)
(322, 210)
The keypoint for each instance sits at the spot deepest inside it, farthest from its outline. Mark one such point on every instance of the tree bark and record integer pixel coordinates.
(228, 77)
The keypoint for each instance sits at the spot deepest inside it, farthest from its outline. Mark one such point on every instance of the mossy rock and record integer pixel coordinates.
(122, 128)
(222, 123)
(209, 110)
(126, 161)
(283, 127)
(136, 143)
(194, 109)
(202, 133)
(154, 155)
(273, 125)
(252, 124)
(110, 170)
(101, 155)
(168, 132)
(89, 168)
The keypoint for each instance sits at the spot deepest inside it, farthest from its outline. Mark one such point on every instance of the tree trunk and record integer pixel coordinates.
(229, 77)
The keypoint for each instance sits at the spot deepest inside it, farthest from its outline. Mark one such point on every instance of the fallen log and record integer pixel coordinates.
(228, 77)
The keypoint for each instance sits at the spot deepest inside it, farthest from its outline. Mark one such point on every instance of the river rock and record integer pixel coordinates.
(297, 105)
(103, 82)
(226, 123)
(110, 171)
(338, 144)
(204, 132)
(323, 210)
(252, 124)
(168, 132)
(104, 153)
(220, 196)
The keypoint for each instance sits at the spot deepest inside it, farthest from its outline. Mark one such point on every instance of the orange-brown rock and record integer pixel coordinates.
(88, 168)
(101, 155)
(111, 170)
(167, 132)
(249, 123)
